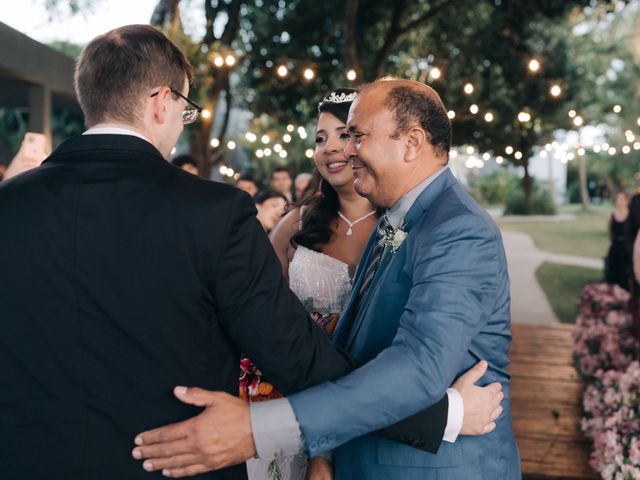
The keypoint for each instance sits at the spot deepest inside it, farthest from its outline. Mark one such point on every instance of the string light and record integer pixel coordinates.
(290, 128)
(259, 153)
(468, 88)
(581, 152)
(277, 148)
(309, 74)
(265, 139)
(597, 148)
(231, 145)
(473, 109)
(509, 150)
(578, 121)
(626, 149)
(518, 155)
(352, 75)
(223, 170)
(267, 151)
(435, 73)
(470, 150)
(283, 154)
(451, 114)
(282, 71)
(218, 61)
(499, 160)
(636, 146)
(215, 143)
(286, 138)
(572, 113)
(524, 117)
(555, 91)
(308, 153)
(230, 172)
(617, 108)
(230, 60)
(488, 117)
(612, 151)
(534, 65)
(544, 154)
(250, 136)
(206, 114)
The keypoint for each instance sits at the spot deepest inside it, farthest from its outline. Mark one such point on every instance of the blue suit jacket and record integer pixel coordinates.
(436, 307)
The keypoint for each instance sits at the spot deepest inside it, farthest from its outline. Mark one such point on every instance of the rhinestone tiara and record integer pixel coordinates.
(340, 98)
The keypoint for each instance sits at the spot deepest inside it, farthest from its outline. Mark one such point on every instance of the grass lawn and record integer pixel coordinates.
(586, 236)
(562, 285)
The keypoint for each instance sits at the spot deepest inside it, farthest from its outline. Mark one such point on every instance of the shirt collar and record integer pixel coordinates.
(396, 214)
(114, 131)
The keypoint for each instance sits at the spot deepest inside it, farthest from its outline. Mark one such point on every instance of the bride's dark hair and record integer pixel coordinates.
(321, 207)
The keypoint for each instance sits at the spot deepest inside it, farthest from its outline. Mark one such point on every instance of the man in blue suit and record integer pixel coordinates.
(430, 299)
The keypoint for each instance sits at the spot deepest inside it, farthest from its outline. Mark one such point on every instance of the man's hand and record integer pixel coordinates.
(481, 404)
(33, 150)
(219, 437)
(319, 469)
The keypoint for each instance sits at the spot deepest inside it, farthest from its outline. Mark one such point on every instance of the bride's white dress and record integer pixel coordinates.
(322, 283)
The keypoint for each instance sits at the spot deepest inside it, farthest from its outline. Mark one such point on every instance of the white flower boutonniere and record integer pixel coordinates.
(394, 238)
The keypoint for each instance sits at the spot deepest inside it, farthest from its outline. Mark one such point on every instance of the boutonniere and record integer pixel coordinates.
(393, 239)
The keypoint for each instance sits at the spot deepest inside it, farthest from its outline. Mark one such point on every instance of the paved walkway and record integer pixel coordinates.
(529, 304)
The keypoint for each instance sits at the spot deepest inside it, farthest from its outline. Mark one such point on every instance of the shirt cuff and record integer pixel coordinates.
(455, 415)
(276, 432)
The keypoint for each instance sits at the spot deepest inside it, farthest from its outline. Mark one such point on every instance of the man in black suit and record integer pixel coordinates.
(128, 276)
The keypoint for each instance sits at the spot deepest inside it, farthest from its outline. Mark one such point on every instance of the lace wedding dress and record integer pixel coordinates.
(322, 283)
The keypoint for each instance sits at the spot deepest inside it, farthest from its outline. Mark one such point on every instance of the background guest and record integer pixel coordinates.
(617, 262)
(248, 184)
(271, 207)
(186, 163)
(301, 183)
(281, 182)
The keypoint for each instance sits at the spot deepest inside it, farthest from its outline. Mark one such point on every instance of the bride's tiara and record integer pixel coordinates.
(340, 98)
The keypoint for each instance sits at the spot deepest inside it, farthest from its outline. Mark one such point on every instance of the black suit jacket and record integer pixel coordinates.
(123, 276)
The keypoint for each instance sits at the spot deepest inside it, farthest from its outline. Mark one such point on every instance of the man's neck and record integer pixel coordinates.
(418, 176)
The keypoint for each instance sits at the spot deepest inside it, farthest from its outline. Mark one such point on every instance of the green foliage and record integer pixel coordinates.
(494, 188)
(539, 204)
(70, 49)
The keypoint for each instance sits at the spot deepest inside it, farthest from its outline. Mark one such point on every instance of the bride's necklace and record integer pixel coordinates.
(351, 224)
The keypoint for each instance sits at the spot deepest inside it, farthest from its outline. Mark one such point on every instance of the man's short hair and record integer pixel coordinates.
(117, 70)
(280, 169)
(247, 177)
(413, 105)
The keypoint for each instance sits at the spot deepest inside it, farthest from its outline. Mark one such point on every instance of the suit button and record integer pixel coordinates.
(323, 442)
(313, 446)
(332, 438)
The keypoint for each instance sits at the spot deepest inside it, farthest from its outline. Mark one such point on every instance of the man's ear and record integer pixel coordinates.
(416, 141)
(160, 105)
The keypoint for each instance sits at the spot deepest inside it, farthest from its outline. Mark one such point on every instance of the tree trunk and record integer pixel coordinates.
(527, 182)
(584, 192)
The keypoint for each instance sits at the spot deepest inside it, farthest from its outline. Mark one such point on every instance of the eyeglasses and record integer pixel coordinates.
(191, 111)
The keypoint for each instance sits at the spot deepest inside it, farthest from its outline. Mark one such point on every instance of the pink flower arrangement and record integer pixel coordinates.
(605, 355)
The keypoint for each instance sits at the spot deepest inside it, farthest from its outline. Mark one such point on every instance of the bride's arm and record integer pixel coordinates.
(281, 239)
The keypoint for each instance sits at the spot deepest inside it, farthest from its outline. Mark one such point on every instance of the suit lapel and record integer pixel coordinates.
(350, 326)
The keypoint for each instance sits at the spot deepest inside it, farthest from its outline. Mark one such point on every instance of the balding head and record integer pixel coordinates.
(413, 103)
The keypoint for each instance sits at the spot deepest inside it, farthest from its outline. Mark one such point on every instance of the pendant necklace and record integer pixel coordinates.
(351, 224)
